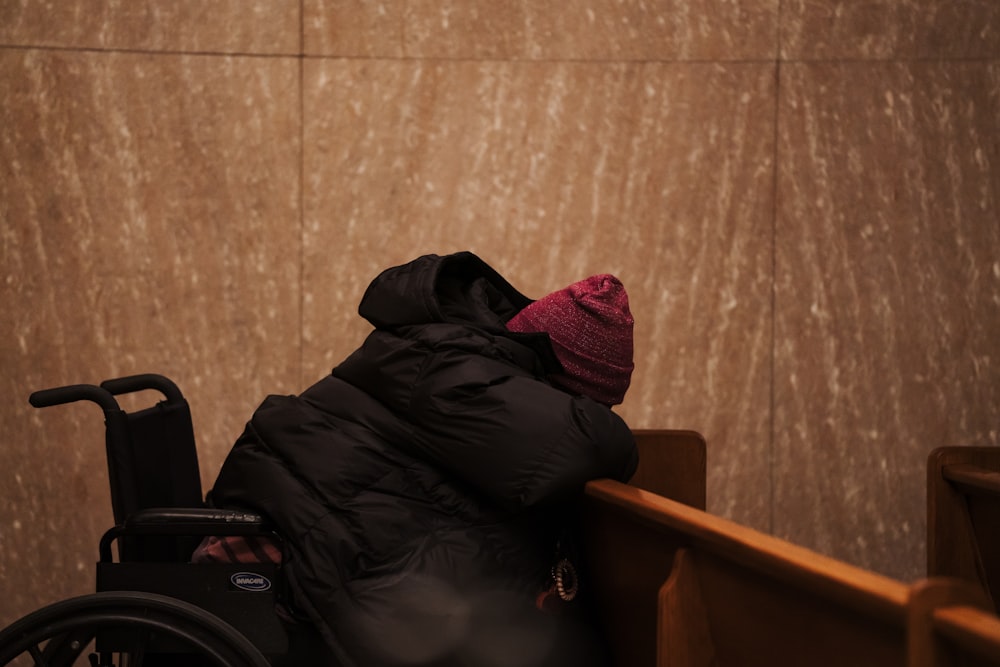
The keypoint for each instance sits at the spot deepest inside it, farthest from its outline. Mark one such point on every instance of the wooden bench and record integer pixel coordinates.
(963, 516)
(679, 587)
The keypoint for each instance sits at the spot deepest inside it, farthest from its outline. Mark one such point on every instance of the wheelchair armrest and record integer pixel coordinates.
(185, 521)
(195, 517)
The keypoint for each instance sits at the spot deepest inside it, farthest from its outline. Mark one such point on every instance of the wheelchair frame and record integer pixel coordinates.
(152, 606)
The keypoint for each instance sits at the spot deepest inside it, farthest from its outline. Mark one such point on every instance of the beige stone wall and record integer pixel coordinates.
(802, 197)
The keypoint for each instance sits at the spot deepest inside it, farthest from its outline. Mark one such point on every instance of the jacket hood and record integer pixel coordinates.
(454, 289)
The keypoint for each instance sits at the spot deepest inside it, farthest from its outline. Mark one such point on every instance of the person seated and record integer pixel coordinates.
(427, 488)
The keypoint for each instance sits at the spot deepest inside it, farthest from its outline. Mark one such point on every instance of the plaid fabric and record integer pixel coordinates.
(237, 549)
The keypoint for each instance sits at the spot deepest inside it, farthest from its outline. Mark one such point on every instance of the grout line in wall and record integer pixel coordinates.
(302, 188)
(772, 433)
(301, 55)
(774, 274)
(145, 52)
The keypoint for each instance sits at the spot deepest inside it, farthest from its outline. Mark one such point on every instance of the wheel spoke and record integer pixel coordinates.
(37, 655)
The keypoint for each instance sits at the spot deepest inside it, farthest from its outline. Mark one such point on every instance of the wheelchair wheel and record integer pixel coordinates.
(58, 635)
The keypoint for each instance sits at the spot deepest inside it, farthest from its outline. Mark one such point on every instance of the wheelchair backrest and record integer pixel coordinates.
(152, 463)
(151, 455)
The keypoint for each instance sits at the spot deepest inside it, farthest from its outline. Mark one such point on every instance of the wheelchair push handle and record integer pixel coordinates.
(45, 398)
(104, 395)
(134, 383)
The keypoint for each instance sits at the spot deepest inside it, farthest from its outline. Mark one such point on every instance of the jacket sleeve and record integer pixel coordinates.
(521, 441)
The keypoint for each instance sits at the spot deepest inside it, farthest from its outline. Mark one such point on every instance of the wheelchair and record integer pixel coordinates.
(152, 606)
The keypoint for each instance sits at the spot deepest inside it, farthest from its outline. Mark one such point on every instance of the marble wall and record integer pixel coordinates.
(802, 196)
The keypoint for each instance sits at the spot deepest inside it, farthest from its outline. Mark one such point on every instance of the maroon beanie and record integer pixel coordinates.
(590, 326)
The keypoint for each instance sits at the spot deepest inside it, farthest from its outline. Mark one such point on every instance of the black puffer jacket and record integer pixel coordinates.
(423, 484)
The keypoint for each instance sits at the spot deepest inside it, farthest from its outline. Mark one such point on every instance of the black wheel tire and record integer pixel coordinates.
(69, 625)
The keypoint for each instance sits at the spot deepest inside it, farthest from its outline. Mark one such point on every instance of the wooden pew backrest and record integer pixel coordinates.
(725, 594)
(963, 516)
(678, 587)
(933, 642)
(673, 464)
(966, 635)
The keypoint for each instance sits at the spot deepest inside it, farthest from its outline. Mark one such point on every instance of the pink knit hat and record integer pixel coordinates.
(590, 327)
